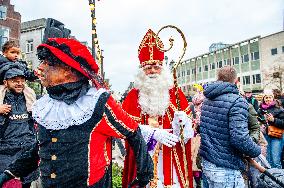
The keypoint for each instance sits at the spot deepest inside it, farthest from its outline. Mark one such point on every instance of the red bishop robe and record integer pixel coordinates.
(174, 155)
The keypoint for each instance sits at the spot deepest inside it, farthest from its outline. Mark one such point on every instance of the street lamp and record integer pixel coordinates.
(97, 54)
(96, 51)
(166, 60)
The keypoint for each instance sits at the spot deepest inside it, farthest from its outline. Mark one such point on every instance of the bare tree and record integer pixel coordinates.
(273, 74)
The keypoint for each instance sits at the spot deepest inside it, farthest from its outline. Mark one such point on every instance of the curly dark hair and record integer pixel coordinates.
(9, 44)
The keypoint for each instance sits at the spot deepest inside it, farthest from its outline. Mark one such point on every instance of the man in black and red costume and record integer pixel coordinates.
(75, 122)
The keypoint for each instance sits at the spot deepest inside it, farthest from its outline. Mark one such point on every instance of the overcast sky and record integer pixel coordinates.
(121, 25)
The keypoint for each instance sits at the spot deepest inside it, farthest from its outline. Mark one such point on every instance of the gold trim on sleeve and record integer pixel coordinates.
(135, 118)
(113, 128)
(119, 121)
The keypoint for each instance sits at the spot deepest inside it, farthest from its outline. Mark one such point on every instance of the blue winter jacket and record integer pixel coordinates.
(223, 127)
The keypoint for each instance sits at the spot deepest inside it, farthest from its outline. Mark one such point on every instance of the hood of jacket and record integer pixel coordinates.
(218, 88)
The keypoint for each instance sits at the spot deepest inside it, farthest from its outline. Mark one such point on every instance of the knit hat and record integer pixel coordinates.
(10, 70)
(267, 92)
(248, 90)
(14, 72)
(198, 87)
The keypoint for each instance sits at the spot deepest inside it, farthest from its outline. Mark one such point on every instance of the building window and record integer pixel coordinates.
(29, 46)
(256, 79)
(205, 67)
(254, 56)
(245, 58)
(212, 65)
(4, 35)
(228, 61)
(193, 71)
(3, 12)
(246, 80)
(236, 60)
(219, 64)
(188, 72)
(274, 51)
(282, 49)
(199, 69)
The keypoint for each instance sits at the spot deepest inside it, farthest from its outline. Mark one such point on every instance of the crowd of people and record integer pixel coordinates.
(234, 125)
(63, 139)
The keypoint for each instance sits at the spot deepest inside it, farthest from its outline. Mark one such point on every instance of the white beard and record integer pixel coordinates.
(154, 94)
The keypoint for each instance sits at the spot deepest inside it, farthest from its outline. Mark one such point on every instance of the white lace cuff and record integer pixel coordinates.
(147, 132)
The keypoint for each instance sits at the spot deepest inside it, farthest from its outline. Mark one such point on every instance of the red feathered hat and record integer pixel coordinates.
(72, 53)
(149, 53)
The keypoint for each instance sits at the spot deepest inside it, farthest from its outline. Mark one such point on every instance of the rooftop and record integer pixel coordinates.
(33, 24)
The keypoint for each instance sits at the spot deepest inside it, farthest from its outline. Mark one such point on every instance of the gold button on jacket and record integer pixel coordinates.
(53, 175)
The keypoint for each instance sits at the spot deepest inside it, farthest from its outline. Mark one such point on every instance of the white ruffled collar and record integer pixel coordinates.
(55, 115)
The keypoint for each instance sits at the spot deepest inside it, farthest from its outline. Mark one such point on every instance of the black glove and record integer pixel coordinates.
(144, 161)
(4, 177)
(139, 182)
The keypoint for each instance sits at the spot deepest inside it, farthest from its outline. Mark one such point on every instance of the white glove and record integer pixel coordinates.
(181, 119)
(166, 138)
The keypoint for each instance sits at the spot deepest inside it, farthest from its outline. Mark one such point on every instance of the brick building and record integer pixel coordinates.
(10, 23)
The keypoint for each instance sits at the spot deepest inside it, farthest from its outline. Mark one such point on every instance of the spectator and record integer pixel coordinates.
(278, 96)
(11, 53)
(197, 101)
(253, 125)
(15, 118)
(272, 114)
(258, 138)
(224, 132)
(251, 99)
